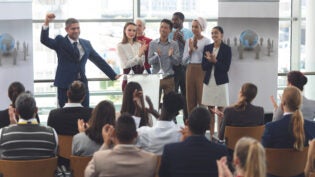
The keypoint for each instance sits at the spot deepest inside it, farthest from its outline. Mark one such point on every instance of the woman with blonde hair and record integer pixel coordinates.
(291, 131)
(249, 160)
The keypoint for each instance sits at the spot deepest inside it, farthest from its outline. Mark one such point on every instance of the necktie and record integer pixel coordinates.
(76, 51)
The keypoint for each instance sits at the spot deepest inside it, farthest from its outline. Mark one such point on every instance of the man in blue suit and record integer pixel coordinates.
(72, 53)
(196, 156)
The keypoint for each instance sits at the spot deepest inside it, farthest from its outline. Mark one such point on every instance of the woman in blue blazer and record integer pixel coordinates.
(216, 64)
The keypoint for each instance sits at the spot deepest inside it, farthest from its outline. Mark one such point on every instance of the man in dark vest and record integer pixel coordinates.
(27, 139)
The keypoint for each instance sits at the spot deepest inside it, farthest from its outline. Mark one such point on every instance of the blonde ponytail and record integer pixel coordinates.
(251, 155)
(255, 165)
(297, 123)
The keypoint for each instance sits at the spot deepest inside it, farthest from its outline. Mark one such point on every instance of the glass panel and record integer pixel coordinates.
(104, 41)
(302, 51)
(285, 9)
(157, 9)
(284, 46)
(83, 9)
(303, 8)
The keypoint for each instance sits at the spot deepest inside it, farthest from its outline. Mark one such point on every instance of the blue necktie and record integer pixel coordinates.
(76, 51)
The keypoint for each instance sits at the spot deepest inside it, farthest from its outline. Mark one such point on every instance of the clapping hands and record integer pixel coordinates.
(210, 57)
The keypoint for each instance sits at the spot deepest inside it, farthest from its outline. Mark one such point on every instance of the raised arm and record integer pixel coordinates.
(44, 36)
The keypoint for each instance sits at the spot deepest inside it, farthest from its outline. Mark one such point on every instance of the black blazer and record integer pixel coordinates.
(251, 116)
(196, 156)
(221, 67)
(65, 120)
(68, 66)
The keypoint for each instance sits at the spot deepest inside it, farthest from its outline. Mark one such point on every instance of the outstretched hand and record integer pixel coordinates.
(108, 134)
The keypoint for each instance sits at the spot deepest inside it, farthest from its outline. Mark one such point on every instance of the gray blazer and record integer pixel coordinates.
(251, 116)
(307, 109)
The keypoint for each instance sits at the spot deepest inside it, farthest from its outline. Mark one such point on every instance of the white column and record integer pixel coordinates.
(296, 35)
(309, 47)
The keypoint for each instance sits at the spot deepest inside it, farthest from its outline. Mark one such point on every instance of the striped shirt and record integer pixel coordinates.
(27, 141)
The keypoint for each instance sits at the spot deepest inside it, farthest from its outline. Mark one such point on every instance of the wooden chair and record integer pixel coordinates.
(233, 134)
(285, 162)
(158, 166)
(29, 168)
(78, 165)
(65, 146)
(312, 174)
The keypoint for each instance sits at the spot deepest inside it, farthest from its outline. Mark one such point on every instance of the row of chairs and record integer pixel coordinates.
(280, 162)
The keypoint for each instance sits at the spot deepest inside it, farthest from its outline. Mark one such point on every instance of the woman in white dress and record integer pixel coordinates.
(192, 57)
(216, 64)
(131, 52)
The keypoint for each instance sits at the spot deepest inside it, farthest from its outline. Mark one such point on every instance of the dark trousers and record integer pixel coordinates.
(179, 78)
(63, 98)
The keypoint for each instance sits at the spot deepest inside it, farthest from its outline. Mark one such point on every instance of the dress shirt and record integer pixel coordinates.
(71, 105)
(153, 139)
(81, 50)
(197, 55)
(129, 55)
(164, 61)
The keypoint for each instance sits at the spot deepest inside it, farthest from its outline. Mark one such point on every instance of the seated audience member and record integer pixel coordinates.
(310, 163)
(297, 79)
(291, 131)
(196, 155)
(249, 160)
(125, 159)
(90, 139)
(243, 113)
(165, 131)
(133, 103)
(8, 116)
(27, 139)
(64, 120)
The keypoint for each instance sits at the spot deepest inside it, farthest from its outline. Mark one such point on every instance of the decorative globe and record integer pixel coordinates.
(249, 39)
(6, 43)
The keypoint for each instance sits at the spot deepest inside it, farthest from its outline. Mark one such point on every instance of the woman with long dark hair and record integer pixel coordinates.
(90, 137)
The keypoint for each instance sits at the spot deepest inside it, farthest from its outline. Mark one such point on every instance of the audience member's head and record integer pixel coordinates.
(310, 163)
(249, 157)
(246, 95)
(178, 20)
(291, 102)
(25, 106)
(103, 113)
(132, 27)
(76, 92)
(199, 120)
(297, 79)
(128, 104)
(125, 129)
(14, 90)
(172, 104)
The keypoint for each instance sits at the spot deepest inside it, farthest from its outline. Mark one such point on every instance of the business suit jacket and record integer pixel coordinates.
(65, 120)
(222, 65)
(279, 134)
(68, 66)
(251, 116)
(196, 156)
(122, 161)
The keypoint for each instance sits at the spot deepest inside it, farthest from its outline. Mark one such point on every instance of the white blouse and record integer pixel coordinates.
(128, 54)
(196, 56)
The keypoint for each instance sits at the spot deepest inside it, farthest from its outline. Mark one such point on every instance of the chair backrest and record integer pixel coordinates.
(233, 134)
(65, 146)
(312, 174)
(285, 162)
(29, 168)
(78, 165)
